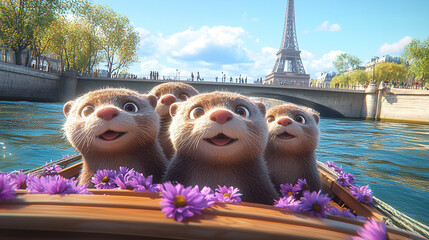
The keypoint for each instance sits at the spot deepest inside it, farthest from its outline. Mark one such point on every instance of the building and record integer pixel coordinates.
(324, 80)
(386, 58)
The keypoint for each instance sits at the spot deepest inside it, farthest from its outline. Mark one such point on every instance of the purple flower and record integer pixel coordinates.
(288, 203)
(52, 169)
(228, 195)
(346, 179)
(362, 194)
(344, 213)
(19, 179)
(55, 185)
(302, 185)
(288, 190)
(372, 230)
(142, 184)
(209, 196)
(124, 177)
(7, 187)
(334, 167)
(104, 179)
(315, 203)
(65, 156)
(179, 202)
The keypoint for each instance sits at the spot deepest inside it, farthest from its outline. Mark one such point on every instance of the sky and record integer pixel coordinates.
(238, 37)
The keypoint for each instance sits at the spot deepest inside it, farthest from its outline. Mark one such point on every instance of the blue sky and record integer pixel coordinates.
(242, 37)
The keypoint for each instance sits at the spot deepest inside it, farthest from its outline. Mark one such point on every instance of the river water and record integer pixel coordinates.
(393, 158)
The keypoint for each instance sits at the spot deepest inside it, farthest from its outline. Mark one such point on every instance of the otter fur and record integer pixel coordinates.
(219, 139)
(167, 94)
(293, 138)
(113, 128)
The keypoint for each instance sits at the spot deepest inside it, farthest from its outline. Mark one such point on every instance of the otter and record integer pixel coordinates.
(293, 138)
(113, 128)
(219, 139)
(167, 94)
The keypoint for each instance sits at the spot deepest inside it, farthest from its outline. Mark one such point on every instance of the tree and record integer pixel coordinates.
(389, 72)
(359, 77)
(345, 61)
(22, 20)
(118, 39)
(417, 53)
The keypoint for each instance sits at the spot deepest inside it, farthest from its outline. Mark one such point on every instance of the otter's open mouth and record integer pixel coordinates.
(220, 140)
(285, 136)
(111, 135)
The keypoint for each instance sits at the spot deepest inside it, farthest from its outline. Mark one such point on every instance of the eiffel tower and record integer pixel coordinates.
(288, 68)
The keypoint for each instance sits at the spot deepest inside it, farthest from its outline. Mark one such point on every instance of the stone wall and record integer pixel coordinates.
(22, 83)
(405, 105)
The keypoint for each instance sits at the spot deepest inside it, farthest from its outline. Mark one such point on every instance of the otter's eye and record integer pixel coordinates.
(242, 111)
(130, 107)
(300, 119)
(183, 97)
(86, 111)
(270, 119)
(196, 113)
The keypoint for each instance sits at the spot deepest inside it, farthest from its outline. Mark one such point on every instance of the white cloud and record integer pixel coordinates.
(394, 47)
(314, 65)
(326, 27)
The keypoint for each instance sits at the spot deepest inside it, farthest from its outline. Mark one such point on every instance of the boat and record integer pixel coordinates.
(125, 214)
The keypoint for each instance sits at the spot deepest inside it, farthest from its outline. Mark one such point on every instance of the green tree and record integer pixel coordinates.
(118, 39)
(417, 53)
(389, 72)
(345, 61)
(342, 80)
(22, 20)
(359, 77)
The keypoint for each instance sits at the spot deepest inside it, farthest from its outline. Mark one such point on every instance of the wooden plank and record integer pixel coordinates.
(71, 171)
(141, 216)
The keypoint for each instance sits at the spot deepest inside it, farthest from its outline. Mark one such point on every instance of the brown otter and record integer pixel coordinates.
(113, 128)
(167, 94)
(293, 138)
(219, 139)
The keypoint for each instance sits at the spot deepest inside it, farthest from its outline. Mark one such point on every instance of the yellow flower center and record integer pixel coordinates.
(105, 179)
(290, 194)
(305, 187)
(317, 208)
(179, 201)
(227, 195)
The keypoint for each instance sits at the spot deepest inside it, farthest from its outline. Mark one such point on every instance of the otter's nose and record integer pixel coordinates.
(107, 113)
(284, 121)
(221, 116)
(168, 100)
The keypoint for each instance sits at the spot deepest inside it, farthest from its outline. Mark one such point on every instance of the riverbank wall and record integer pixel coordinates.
(378, 103)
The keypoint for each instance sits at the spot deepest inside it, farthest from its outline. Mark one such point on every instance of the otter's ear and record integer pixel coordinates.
(261, 107)
(152, 100)
(173, 109)
(316, 117)
(67, 108)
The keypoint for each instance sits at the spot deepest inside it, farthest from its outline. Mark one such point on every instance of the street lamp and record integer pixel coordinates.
(177, 70)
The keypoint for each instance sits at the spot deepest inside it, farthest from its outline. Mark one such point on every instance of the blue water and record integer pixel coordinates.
(393, 158)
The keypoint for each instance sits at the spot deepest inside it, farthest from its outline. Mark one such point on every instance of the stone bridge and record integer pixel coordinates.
(328, 102)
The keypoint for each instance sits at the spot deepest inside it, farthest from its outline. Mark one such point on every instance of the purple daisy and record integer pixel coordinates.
(52, 169)
(54, 184)
(209, 196)
(288, 190)
(124, 178)
(34, 185)
(74, 188)
(179, 202)
(344, 213)
(346, 179)
(289, 203)
(334, 167)
(362, 194)
(140, 183)
(19, 179)
(228, 195)
(104, 179)
(7, 187)
(315, 203)
(372, 230)
(302, 185)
